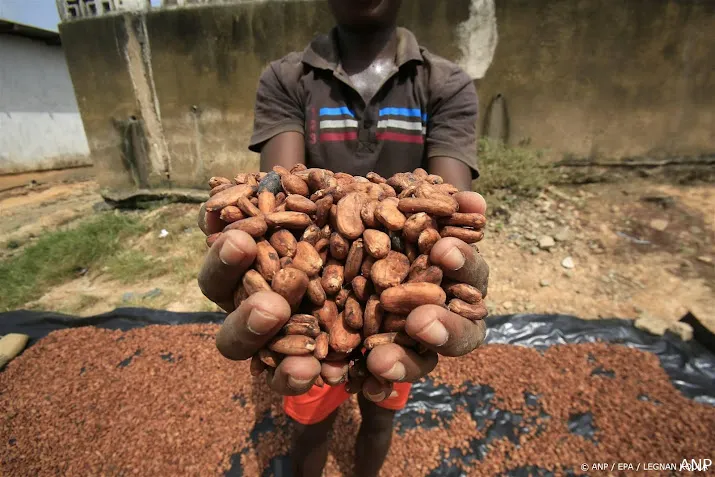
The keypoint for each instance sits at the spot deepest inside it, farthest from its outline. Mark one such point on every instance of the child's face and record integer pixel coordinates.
(362, 15)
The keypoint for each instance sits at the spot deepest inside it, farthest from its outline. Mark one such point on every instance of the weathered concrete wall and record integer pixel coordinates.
(40, 124)
(592, 78)
(607, 79)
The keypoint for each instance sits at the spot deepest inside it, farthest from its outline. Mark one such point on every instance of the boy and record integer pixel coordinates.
(364, 98)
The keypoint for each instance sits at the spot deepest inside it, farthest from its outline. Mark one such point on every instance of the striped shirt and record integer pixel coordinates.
(427, 108)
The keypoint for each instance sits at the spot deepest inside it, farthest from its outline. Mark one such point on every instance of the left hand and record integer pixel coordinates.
(443, 332)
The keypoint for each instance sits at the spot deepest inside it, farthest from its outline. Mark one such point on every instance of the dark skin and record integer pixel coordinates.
(367, 39)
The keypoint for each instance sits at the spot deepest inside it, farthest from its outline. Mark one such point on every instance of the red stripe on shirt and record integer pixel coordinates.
(343, 136)
(397, 137)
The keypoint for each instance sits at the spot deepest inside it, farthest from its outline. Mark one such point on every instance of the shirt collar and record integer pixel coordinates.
(323, 51)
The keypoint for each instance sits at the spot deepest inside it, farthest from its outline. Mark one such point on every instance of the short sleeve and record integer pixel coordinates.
(278, 105)
(452, 118)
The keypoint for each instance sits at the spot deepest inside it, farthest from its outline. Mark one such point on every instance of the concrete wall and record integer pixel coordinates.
(40, 124)
(586, 78)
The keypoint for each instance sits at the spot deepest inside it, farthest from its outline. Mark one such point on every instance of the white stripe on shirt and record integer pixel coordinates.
(338, 124)
(397, 124)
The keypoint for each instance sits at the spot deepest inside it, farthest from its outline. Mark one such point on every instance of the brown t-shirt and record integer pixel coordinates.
(427, 108)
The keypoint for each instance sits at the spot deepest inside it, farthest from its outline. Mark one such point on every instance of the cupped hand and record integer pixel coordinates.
(257, 319)
(438, 329)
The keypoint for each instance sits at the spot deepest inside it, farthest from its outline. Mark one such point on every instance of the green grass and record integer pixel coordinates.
(132, 265)
(59, 256)
(506, 170)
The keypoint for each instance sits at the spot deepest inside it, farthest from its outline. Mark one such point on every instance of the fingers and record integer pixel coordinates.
(334, 373)
(471, 203)
(252, 325)
(210, 222)
(294, 376)
(225, 264)
(461, 262)
(376, 390)
(443, 331)
(393, 363)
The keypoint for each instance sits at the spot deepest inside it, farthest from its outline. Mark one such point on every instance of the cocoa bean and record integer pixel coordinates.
(420, 264)
(231, 214)
(305, 325)
(293, 184)
(292, 345)
(389, 215)
(319, 382)
(401, 339)
(267, 260)
(256, 227)
(257, 367)
(362, 287)
(354, 260)
(477, 311)
(434, 179)
(322, 213)
(376, 178)
(269, 358)
(315, 292)
(348, 221)
(377, 243)
(393, 323)
(420, 173)
(372, 317)
(447, 189)
(240, 295)
(416, 224)
(298, 203)
(322, 344)
(284, 242)
(286, 262)
(333, 277)
(211, 239)
(465, 235)
(326, 315)
(228, 197)
(388, 191)
(280, 198)
(247, 207)
(427, 239)
(405, 298)
(219, 181)
(390, 271)
(320, 179)
(220, 188)
(298, 168)
(339, 246)
(291, 284)
(288, 220)
(367, 214)
(311, 235)
(253, 282)
(343, 339)
(475, 221)
(366, 267)
(271, 183)
(307, 259)
(266, 202)
(403, 180)
(431, 275)
(341, 298)
(353, 313)
(464, 292)
(431, 206)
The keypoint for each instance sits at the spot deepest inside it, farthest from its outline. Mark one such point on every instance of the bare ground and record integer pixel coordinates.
(638, 249)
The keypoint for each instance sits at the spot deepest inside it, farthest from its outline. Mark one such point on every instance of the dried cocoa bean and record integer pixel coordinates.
(389, 215)
(253, 282)
(228, 197)
(257, 367)
(353, 313)
(465, 235)
(354, 260)
(220, 188)
(393, 323)
(435, 207)
(401, 339)
(293, 184)
(219, 181)
(372, 317)
(390, 271)
(339, 246)
(405, 298)
(376, 178)
(307, 259)
(298, 168)
(298, 203)
(266, 202)
(286, 262)
(231, 214)
(270, 358)
(322, 344)
(427, 239)
(305, 325)
(288, 220)
(475, 221)
(377, 243)
(311, 235)
(280, 198)
(420, 173)
(387, 190)
(343, 339)
(247, 207)
(315, 292)
(342, 297)
(256, 227)
(291, 284)
(362, 287)
(434, 179)
(477, 311)
(367, 214)
(366, 267)
(416, 224)
(292, 345)
(431, 275)
(211, 239)
(447, 189)
(348, 220)
(326, 315)
(464, 292)
(403, 180)
(267, 260)
(322, 213)
(271, 183)
(284, 242)
(333, 277)
(420, 264)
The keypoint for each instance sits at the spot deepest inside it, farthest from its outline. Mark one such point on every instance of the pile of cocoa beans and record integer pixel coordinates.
(350, 255)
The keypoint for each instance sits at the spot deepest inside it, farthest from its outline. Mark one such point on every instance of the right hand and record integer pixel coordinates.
(251, 326)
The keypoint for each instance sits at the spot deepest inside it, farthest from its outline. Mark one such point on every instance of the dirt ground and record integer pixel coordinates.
(630, 250)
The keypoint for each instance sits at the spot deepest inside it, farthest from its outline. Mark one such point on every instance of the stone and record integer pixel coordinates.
(546, 242)
(568, 263)
(705, 259)
(563, 235)
(544, 282)
(659, 224)
(568, 273)
(651, 324)
(507, 305)
(683, 330)
(534, 250)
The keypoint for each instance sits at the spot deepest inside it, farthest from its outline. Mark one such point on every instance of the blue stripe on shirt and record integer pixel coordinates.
(336, 112)
(410, 113)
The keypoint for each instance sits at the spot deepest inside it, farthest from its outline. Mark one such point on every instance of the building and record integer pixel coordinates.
(40, 124)
(71, 9)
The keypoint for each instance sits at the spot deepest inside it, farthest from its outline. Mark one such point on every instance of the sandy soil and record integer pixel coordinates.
(638, 249)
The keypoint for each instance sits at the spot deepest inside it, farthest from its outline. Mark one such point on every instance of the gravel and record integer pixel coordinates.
(162, 401)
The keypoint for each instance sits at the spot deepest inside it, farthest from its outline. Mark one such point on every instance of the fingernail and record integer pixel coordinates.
(298, 384)
(393, 394)
(260, 323)
(435, 334)
(396, 373)
(375, 397)
(454, 259)
(335, 382)
(230, 254)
